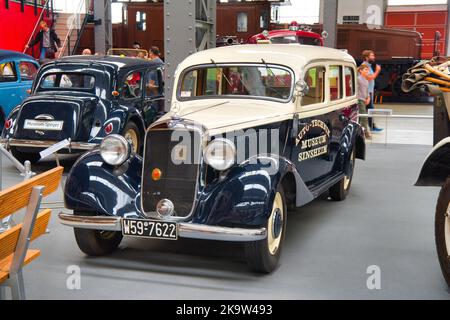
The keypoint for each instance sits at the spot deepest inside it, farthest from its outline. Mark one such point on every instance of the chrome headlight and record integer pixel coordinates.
(220, 154)
(115, 149)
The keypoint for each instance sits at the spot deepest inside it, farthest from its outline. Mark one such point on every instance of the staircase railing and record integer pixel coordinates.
(46, 8)
(77, 24)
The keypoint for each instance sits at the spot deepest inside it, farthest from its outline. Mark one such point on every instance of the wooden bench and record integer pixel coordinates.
(14, 243)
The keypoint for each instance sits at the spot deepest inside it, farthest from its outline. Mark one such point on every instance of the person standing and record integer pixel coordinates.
(363, 97)
(48, 40)
(368, 60)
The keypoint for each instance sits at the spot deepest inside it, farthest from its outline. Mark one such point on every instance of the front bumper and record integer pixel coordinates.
(185, 229)
(46, 144)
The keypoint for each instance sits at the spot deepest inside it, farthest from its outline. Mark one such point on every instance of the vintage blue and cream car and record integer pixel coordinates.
(253, 130)
(83, 99)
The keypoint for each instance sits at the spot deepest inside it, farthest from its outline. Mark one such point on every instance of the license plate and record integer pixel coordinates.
(47, 125)
(150, 229)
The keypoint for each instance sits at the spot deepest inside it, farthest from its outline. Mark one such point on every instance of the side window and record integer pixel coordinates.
(141, 21)
(242, 22)
(349, 81)
(132, 86)
(8, 72)
(335, 80)
(153, 86)
(315, 78)
(27, 70)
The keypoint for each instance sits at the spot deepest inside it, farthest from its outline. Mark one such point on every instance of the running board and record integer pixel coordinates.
(317, 190)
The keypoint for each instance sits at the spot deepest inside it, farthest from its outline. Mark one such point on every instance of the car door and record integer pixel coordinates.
(153, 95)
(311, 152)
(9, 95)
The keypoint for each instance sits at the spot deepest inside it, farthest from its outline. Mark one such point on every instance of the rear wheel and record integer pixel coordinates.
(24, 156)
(97, 242)
(442, 230)
(263, 256)
(340, 190)
(131, 133)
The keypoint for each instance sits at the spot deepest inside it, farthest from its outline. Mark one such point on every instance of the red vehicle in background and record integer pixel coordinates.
(295, 34)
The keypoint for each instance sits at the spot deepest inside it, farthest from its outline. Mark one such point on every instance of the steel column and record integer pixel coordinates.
(189, 26)
(330, 13)
(103, 25)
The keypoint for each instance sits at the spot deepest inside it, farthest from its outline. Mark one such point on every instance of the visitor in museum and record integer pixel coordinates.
(368, 60)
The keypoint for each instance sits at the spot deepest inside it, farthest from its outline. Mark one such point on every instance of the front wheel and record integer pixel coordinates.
(340, 190)
(131, 133)
(24, 156)
(263, 256)
(97, 242)
(442, 230)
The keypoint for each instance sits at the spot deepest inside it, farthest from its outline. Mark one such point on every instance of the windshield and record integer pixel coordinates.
(262, 81)
(67, 81)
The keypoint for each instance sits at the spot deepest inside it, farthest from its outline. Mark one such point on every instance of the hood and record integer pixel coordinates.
(219, 116)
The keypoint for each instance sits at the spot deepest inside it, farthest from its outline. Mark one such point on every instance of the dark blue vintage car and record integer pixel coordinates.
(17, 72)
(250, 134)
(84, 99)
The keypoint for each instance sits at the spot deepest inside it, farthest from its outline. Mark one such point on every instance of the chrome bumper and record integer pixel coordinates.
(185, 230)
(46, 144)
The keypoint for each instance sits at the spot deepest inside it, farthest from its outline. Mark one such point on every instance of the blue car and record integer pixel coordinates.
(17, 72)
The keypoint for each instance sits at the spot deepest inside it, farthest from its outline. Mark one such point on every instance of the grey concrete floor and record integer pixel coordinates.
(385, 221)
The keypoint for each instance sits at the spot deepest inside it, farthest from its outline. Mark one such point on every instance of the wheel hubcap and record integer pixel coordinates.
(132, 136)
(275, 225)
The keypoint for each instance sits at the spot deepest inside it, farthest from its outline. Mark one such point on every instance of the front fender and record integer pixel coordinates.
(94, 186)
(245, 197)
(436, 167)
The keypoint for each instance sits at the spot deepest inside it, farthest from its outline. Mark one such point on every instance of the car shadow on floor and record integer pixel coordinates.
(203, 258)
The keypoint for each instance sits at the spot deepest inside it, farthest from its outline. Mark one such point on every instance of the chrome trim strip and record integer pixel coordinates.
(46, 144)
(185, 229)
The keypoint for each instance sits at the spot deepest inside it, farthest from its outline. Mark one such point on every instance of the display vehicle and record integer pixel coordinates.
(83, 99)
(435, 172)
(253, 131)
(17, 72)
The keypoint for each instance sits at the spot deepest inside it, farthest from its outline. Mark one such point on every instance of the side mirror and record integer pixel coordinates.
(301, 88)
(324, 34)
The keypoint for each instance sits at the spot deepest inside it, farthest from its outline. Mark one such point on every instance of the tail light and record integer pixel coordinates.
(108, 128)
(8, 124)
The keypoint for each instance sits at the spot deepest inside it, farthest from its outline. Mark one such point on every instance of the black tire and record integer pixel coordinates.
(132, 127)
(439, 231)
(258, 254)
(96, 242)
(24, 156)
(340, 190)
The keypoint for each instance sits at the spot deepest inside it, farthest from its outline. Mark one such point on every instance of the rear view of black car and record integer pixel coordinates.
(83, 99)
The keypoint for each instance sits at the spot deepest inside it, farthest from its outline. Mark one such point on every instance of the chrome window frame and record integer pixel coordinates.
(230, 96)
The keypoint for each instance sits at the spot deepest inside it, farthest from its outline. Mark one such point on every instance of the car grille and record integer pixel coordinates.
(178, 182)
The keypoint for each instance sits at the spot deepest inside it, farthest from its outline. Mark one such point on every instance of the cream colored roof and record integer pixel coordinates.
(294, 56)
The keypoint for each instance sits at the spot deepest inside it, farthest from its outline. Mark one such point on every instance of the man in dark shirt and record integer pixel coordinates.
(48, 40)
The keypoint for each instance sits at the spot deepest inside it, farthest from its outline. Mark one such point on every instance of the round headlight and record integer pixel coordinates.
(220, 154)
(115, 149)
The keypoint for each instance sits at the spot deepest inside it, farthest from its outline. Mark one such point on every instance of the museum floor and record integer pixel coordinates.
(385, 222)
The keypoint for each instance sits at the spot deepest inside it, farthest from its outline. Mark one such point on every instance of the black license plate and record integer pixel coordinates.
(150, 229)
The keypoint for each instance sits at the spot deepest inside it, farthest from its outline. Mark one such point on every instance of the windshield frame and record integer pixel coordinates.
(230, 96)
